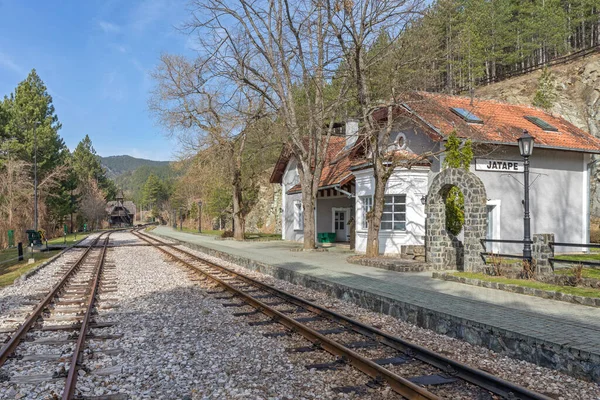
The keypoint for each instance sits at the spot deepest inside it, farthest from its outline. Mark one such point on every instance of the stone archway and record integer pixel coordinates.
(444, 250)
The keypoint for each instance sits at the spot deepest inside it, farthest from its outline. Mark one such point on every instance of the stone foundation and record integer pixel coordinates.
(391, 263)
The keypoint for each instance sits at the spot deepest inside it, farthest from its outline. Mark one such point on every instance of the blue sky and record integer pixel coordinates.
(95, 57)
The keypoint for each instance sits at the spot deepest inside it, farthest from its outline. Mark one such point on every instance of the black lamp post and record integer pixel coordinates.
(526, 149)
(200, 217)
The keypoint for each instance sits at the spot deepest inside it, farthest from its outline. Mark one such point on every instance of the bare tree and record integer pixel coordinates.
(92, 204)
(16, 199)
(212, 121)
(357, 25)
(281, 50)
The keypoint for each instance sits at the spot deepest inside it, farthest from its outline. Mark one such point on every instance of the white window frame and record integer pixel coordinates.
(366, 205)
(298, 216)
(394, 213)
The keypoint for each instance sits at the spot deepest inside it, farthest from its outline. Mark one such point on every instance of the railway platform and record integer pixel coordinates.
(550, 333)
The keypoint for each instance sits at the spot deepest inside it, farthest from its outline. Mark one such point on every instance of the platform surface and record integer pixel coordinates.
(553, 321)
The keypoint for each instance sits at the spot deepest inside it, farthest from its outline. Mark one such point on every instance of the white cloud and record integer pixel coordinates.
(7, 62)
(109, 27)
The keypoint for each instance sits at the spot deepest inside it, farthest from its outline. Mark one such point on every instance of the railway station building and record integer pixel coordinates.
(559, 172)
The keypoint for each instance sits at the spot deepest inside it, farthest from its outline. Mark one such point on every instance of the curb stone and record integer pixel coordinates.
(507, 287)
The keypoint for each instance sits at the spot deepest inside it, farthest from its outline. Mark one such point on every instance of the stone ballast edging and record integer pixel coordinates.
(545, 294)
(576, 362)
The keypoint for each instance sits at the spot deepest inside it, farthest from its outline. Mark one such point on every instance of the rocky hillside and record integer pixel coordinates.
(578, 89)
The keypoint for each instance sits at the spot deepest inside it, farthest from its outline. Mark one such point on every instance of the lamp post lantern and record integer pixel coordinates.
(526, 149)
(200, 217)
(35, 182)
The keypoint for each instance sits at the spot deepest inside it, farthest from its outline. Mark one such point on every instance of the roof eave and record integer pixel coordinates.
(540, 146)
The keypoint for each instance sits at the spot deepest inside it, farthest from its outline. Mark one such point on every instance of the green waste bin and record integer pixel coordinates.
(326, 237)
(34, 237)
(11, 238)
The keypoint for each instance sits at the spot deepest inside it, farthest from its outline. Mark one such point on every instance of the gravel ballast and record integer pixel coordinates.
(550, 382)
(179, 341)
(172, 338)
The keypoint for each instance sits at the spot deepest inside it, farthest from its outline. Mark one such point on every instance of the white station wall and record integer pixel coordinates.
(290, 179)
(413, 183)
(559, 196)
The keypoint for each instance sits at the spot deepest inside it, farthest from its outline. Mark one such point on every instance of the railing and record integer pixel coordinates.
(573, 261)
(485, 254)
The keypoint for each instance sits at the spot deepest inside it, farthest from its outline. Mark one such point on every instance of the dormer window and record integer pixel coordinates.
(466, 115)
(541, 123)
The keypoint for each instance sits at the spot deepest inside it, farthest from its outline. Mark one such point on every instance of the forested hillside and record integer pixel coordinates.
(458, 44)
(117, 165)
(132, 182)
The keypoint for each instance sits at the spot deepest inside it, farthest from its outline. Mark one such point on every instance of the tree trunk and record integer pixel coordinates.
(308, 202)
(239, 220)
(239, 214)
(375, 215)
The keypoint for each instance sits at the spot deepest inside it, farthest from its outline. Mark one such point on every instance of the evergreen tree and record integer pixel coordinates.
(155, 191)
(545, 96)
(30, 104)
(86, 166)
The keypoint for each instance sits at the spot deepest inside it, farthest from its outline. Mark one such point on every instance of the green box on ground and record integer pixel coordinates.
(326, 237)
(11, 238)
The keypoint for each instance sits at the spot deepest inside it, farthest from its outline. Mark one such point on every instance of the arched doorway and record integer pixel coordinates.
(444, 250)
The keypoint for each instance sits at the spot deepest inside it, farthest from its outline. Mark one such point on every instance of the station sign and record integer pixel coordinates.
(498, 165)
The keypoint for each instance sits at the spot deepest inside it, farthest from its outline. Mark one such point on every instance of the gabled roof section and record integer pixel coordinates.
(280, 165)
(503, 123)
(336, 168)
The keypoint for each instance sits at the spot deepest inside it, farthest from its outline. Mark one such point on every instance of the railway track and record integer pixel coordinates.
(410, 370)
(67, 308)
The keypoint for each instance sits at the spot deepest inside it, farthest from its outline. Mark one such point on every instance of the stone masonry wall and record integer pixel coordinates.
(442, 248)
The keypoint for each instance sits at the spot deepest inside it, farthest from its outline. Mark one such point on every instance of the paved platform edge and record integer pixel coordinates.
(576, 362)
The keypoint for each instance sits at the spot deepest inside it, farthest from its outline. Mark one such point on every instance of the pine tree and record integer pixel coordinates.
(30, 104)
(546, 95)
(86, 166)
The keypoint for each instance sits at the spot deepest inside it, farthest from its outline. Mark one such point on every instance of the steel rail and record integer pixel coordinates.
(472, 375)
(399, 384)
(16, 338)
(73, 367)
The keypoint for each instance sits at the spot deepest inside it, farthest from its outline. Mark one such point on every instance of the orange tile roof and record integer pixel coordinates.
(502, 122)
(336, 169)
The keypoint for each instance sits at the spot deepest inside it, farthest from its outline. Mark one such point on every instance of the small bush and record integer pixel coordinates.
(497, 262)
(528, 269)
(227, 234)
(577, 274)
(595, 236)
